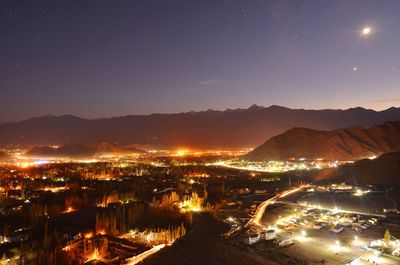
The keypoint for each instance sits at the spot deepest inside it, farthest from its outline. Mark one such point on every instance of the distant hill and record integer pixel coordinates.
(4, 156)
(384, 170)
(85, 150)
(205, 129)
(352, 143)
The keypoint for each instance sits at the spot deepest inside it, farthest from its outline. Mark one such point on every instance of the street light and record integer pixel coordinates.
(335, 247)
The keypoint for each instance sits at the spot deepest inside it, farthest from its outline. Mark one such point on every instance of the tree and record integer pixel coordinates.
(387, 236)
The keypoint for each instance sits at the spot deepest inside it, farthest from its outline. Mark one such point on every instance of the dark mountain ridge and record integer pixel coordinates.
(85, 150)
(204, 129)
(384, 170)
(352, 143)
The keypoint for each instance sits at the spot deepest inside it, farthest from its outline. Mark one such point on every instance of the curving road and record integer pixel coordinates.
(143, 255)
(256, 219)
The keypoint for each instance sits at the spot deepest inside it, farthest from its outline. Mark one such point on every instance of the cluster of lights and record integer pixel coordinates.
(189, 207)
(187, 152)
(95, 255)
(278, 166)
(192, 204)
(88, 235)
(360, 192)
(55, 189)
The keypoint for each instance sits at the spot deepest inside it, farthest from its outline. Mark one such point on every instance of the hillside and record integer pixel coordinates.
(204, 129)
(384, 170)
(87, 149)
(342, 144)
(204, 245)
(4, 156)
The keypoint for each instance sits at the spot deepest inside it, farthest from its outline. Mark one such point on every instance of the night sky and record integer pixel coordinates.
(108, 58)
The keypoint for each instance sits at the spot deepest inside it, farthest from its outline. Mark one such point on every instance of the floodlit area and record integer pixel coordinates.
(279, 166)
(315, 231)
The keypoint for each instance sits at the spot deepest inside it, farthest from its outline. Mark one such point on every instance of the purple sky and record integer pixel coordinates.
(108, 58)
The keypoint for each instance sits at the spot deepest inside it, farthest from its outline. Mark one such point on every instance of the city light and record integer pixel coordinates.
(182, 152)
(88, 235)
(94, 256)
(357, 242)
(336, 247)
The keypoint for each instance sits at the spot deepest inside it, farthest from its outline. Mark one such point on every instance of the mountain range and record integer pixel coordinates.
(88, 149)
(352, 143)
(205, 129)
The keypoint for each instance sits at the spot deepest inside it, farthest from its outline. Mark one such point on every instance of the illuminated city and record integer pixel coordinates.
(131, 207)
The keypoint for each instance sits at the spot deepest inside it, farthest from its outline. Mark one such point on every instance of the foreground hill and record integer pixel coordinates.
(205, 129)
(384, 170)
(204, 245)
(343, 144)
(88, 149)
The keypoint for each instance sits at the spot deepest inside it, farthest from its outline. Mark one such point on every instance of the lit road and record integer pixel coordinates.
(142, 256)
(331, 209)
(256, 219)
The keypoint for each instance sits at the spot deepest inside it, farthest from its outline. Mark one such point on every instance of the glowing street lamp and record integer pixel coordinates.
(335, 247)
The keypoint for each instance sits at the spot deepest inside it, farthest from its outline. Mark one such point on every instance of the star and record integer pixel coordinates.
(354, 68)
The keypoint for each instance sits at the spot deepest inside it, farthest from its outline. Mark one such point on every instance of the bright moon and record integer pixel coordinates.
(366, 31)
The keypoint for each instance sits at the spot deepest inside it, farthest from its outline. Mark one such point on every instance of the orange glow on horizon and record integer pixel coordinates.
(182, 152)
